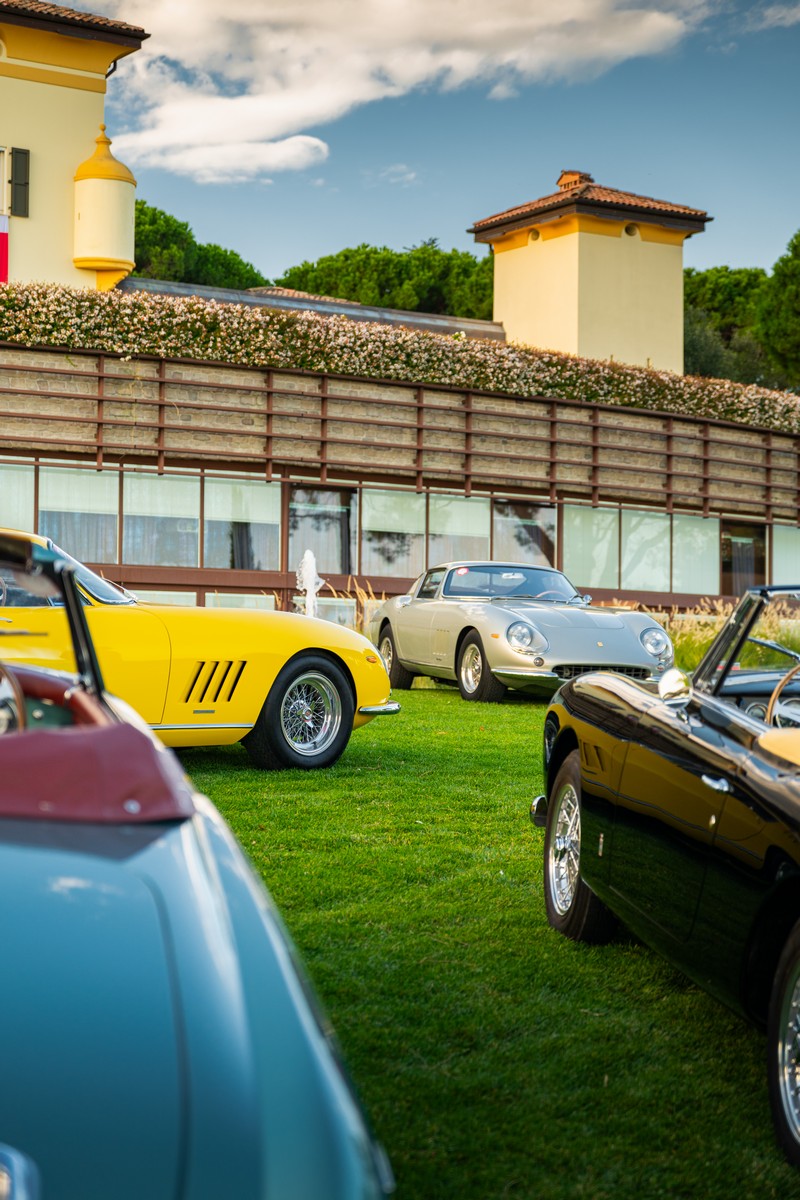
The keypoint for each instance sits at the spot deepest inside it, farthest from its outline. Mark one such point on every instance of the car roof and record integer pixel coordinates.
(23, 536)
(492, 562)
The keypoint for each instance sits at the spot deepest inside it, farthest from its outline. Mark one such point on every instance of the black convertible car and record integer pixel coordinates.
(675, 807)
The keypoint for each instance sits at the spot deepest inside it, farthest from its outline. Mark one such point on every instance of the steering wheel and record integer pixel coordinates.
(13, 715)
(778, 691)
(550, 592)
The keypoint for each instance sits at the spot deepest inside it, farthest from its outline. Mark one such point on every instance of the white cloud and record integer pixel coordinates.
(776, 16)
(398, 173)
(236, 91)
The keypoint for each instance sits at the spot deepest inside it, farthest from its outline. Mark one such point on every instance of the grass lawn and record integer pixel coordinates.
(495, 1058)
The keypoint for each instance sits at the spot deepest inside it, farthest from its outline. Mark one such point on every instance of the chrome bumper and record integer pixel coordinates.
(379, 710)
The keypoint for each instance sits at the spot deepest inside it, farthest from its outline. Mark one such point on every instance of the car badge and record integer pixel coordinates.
(600, 644)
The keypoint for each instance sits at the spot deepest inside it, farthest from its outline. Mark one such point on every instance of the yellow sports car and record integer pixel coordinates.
(289, 687)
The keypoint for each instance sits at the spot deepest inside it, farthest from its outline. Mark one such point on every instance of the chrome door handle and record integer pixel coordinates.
(716, 785)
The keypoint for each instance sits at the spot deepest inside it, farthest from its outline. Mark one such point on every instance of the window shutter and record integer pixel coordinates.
(20, 182)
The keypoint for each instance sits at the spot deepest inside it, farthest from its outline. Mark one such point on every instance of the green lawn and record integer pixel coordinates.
(495, 1058)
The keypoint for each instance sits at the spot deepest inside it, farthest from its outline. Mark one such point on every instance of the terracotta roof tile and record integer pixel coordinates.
(589, 194)
(295, 295)
(69, 16)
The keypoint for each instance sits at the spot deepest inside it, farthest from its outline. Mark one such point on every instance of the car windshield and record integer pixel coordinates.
(757, 648)
(495, 580)
(98, 588)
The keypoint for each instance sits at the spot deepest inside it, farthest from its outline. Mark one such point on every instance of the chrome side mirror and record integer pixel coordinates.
(403, 601)
(674, 687)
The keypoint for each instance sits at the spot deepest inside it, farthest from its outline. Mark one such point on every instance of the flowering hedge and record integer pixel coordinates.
(139, 323)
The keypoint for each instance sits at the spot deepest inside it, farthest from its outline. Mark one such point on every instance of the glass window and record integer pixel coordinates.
(241, 525)
(337, 609)
(743, 554)
(392, 533)
(430, 585)
(524, 532)
(323, 520)
(591, 546)
(257, 600)
(695, 554)
(16, 496)
(785, 554)
(645, 551)
(151, 596)
(458, 528)
(161, 520)
(78, 509)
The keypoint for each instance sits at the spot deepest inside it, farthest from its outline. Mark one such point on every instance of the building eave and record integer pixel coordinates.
(65, 27)
(492, 230)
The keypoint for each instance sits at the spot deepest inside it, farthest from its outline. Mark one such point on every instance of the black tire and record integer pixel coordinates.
(783, 1049)
(307, 718)
(399, 677)
(475, 680)
(572, 908)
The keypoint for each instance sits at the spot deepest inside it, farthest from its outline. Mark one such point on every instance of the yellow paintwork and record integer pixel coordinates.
(150, 655)
(41, 47)
(102, 164)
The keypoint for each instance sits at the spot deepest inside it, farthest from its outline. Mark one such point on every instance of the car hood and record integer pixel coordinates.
(564, 616)
(91, 1082)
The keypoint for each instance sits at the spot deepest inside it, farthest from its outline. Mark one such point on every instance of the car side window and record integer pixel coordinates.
(15, 594)
(430, 585)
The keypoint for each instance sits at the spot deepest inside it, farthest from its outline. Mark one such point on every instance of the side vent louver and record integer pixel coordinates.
(213, 682)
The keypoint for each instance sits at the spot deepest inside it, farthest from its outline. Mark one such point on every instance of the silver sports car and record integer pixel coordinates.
(494, 625)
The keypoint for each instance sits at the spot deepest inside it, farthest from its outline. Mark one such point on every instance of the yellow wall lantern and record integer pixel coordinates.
(105, 199)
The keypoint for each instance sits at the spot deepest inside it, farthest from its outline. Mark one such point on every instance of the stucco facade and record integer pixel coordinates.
(53, 82)
(593, 272)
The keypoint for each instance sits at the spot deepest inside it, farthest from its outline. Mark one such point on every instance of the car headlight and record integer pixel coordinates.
(656, 642)
(525, 638)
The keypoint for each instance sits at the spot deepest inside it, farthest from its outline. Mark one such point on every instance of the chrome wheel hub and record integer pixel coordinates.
(311, 713)
(564, 859)
(789, 1054)
(385, 651)
(471, 668)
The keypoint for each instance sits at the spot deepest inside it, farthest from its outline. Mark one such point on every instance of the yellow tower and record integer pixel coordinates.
(54, 67)
(593, 271)
(104, 215)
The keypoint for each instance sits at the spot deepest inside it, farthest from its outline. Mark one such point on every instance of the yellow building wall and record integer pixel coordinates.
(536, 290)
(52, 93)
(585, 286)
(631, 299)
(58, 125)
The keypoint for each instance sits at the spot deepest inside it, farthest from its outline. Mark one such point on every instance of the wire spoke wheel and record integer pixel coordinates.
(789, 1053)
(572, 907)
(564, 859)
(311, 713)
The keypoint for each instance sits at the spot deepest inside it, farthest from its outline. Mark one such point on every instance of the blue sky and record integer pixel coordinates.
(289, 129)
